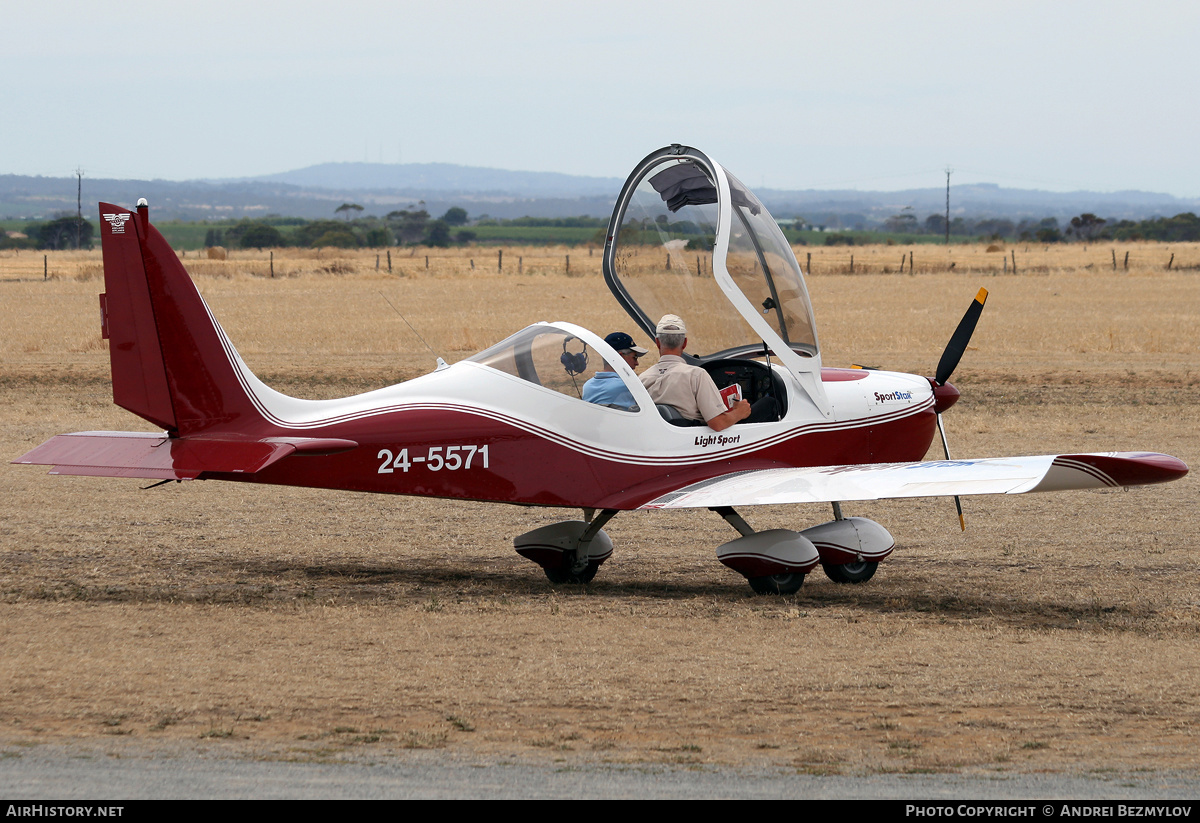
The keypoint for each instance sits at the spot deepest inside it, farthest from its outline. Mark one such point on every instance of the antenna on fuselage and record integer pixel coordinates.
(441, 364)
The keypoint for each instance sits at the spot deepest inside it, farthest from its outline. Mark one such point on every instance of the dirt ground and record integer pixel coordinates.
(1060, 632)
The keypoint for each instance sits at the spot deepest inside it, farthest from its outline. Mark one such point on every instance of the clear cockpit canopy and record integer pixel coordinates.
(672, 230)
(547, 356)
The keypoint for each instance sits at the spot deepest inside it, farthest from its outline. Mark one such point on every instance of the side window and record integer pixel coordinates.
(548, 357)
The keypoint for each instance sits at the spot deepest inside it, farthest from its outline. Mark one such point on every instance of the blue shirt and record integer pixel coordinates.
(608, 389)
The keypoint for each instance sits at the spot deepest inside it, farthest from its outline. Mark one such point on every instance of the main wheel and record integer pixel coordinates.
(561, 577)
(777, 583)
(859, 572)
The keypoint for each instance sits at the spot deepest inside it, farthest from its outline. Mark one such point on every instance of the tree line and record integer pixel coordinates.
(1085, 227)
(66, 231)
(414, 226)
(403, 227)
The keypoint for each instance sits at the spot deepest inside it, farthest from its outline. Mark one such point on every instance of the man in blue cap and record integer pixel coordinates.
(606, 387)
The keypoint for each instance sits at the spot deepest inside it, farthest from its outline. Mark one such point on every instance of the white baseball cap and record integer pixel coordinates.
(670, 324)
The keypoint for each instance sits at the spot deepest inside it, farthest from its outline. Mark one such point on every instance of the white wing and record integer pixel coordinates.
(937, 478)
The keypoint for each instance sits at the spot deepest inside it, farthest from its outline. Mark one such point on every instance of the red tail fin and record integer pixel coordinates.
(170, 363)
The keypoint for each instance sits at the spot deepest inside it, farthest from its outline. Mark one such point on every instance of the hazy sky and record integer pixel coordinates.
(870, 95)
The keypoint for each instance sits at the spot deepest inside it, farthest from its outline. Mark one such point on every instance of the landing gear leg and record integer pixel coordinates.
(734, 519)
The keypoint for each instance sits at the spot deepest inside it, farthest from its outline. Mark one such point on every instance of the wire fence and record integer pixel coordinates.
(995, 259)
(586, 262)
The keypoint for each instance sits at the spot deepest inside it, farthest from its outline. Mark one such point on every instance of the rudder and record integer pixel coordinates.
(170, 362)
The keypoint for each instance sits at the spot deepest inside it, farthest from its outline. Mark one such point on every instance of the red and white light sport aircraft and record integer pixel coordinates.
(509, 425)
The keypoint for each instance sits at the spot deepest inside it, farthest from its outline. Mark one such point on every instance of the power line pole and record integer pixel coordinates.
(949, 171)
(78, 206)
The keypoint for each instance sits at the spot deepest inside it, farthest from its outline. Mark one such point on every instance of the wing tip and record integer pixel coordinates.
(1130, 468)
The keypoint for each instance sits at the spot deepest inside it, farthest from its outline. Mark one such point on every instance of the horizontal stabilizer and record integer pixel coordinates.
(159, 457)
(934, 478)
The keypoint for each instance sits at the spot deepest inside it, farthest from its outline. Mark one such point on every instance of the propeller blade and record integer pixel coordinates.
(959, 340)
(962, 523)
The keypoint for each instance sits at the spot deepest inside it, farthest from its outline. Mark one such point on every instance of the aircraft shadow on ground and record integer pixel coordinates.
(276, 582)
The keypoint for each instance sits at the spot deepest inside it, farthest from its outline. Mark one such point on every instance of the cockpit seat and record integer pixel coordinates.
(672, 416)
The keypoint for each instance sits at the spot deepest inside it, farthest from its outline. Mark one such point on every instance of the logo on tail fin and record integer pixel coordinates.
(117, 221)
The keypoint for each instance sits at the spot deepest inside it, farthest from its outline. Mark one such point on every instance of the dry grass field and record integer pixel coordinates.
(1060, 632)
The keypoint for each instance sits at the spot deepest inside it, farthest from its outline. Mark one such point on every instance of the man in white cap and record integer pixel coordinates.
(672, 382)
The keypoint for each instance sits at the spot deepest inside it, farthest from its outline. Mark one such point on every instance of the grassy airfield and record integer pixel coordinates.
(1058, 633)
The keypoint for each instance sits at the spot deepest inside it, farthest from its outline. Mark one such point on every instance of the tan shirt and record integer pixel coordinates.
(688, 388)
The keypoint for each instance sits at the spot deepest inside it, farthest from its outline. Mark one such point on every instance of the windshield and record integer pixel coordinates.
(662, 259)
(763, 266)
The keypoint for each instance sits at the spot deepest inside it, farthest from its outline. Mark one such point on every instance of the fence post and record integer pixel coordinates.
(911, 270)
(568, 271)
(1014, 256)
(1126, 261)
(668, 261)
(1114, 254)
(427, 262)
(698, 272)
(46, 267)
(852, 264)
(273, 264)
(389, 261)
(472, 265)
(377, 262)
(808, 263)
(520, 265)
(1172, 260)
(500, 260)
(902, 257)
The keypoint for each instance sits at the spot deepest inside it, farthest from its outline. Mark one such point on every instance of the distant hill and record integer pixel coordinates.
(977, 200)
(441, 177)
(316, 191)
